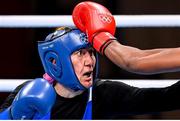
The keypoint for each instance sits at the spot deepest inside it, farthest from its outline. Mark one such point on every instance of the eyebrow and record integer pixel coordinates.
(88, 49)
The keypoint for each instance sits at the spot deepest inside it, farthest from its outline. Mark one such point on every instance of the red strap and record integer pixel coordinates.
(101, 40)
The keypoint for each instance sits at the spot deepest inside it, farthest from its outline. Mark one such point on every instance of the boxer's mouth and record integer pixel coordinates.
(88, 74)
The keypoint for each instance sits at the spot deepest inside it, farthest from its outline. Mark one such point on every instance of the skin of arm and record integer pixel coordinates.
(144, 61)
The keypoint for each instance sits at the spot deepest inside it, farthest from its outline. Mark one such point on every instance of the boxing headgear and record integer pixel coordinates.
(59, 46)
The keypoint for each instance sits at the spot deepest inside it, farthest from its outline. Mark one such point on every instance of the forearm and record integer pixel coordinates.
(156, 99)
(143, 61)
(121, 98)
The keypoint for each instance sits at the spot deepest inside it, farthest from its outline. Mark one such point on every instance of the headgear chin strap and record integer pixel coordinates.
(59, 46)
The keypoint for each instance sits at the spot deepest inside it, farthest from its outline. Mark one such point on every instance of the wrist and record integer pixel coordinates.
(102, 40)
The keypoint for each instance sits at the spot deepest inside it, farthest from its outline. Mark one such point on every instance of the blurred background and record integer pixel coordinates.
(19, 56)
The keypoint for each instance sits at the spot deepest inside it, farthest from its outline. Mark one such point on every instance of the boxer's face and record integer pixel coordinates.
(84, 62)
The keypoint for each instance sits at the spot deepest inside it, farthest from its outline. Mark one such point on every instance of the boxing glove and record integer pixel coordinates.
(97, 22)
(5, 115)
(38, 96)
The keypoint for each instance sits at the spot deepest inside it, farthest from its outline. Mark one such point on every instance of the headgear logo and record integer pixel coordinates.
(83, 38)
(105, 18)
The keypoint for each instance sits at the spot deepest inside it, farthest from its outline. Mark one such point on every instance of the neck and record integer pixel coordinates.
(66, 92)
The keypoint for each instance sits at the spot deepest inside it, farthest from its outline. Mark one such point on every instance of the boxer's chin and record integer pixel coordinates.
(87, 82)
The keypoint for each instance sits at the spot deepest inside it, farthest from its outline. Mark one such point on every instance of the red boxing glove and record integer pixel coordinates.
(97, 22)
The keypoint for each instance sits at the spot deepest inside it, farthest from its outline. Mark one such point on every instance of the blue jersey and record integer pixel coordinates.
(87, 113)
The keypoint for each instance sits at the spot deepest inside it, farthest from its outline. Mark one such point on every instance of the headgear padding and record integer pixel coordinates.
(59, 46)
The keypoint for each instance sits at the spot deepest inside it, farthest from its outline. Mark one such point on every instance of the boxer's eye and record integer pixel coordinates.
(79, 52)
(84, 51)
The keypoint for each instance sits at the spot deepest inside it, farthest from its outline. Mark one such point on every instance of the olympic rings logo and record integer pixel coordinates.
(105, 18)
(83, 38)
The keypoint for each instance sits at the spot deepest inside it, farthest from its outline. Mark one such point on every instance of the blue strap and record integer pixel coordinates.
(88, 111)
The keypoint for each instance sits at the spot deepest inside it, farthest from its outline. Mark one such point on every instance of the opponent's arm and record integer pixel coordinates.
(118, 98)
(144, 61)
(99, 24)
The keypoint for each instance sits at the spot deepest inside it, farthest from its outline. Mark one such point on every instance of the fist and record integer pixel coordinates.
(38, 96)
(97, 22)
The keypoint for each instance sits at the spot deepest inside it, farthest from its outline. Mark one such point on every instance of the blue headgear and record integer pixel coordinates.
(59, 46)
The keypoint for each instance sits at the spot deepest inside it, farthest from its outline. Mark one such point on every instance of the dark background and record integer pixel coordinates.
(18, 52)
